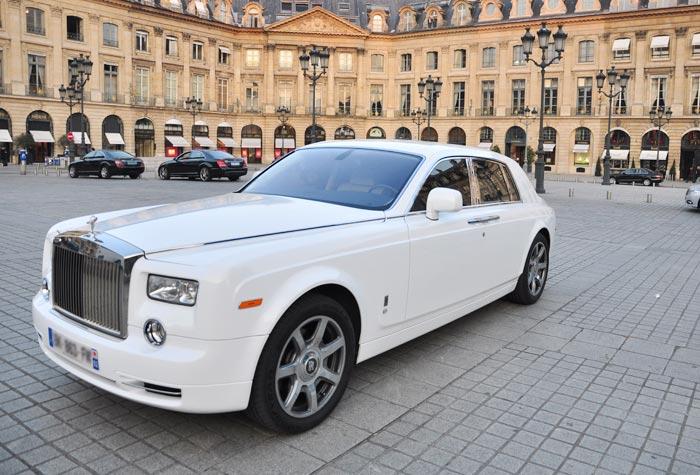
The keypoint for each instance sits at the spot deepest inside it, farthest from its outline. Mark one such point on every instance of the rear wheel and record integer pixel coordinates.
(647, 182)
(163, 173)
(205, 174)
(304, 367)
(104, 172)
(534, 277)
(72, 172)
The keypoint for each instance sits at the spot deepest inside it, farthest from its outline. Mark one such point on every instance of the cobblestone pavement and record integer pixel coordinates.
(600, 376)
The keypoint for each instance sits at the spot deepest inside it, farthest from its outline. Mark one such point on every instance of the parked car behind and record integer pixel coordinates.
(692, 196)
(107, 163)
(205, 165)
(643, 176)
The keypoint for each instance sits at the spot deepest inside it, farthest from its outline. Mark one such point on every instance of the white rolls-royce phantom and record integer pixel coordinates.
(264, 299)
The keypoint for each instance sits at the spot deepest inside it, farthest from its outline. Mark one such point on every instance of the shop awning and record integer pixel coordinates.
(659, 42)
(114, 138)
(617, 154)
(651, 155)
(485, 145)
(5, 136)
(251, 143)
(205, 141)
(548, 147)
(42, 136)
(177, 141)
(227, 142)
(173, 122)
(621, 44)
(224, 124)
(285, 143)
(224, 50)
(581, 148)
(696, 39)
(78, 138)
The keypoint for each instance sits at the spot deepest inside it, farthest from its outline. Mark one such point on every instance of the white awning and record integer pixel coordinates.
(224, 49)
(485, 145)
(227, 142)
(5, 136)
(200, 122)
(205, 141)
(42, 136)
(581, 148)
(617, 154)
(651, 155)
(173, 122)
(548, 147)
(285, 143)
(621, 44)
(177, 141)
(659, 42)
(224, 124)
(251, 143)
(78, 138)
(696, 39)
(114, 138)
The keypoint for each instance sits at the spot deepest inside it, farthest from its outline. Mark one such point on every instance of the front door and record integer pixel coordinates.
(180, 165)
(191, 165)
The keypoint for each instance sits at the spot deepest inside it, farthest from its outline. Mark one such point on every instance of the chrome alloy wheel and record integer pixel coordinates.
(537, 268)
(310, 366)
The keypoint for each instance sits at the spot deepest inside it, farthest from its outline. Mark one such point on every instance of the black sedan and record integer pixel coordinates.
(107, 163)
(643, 176)
(205, 165)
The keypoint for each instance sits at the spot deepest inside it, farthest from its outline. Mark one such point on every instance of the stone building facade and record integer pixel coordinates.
(241, 59)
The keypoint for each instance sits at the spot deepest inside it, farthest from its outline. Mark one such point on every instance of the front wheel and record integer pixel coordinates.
(205, 174)
(534, 277)
(163, 173)
(612, 181)
(72, 172)
(304, 367)
(104, 172)
(647, 182)
(233, 178)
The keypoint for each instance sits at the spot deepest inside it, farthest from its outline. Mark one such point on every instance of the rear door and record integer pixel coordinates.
(191, 165)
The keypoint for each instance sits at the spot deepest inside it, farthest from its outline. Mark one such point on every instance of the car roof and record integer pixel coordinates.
(430, 150)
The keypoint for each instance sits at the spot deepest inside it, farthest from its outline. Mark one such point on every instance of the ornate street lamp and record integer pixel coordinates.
(71, 98)
(621, 83)
(80, 71)
(528, 40)
(525, 116)
(659, 116)
(193, 106)
(314, 65)
(418, 116)
(432, 88)
(283, 116)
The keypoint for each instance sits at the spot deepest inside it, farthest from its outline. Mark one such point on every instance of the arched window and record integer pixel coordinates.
(549, 135)
(320, 134)
(582, 148)
(285, 140)
(486, 136)
(457, 136)
(344, 132)
(40, 126)
(251, 143)
(377, 23)
(5, 136)
(112, 133)
(433, 19)
(376, 133)
(462, 16)
(582, 135)
(144, 138)
(429, 135)
(408, 18)
(403, 133)
(73, 124)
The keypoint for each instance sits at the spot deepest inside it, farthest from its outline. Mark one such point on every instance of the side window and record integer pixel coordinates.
(451, 173)
(514, 194)
(98, 155)
(185, 156)
(492, 181)
(89, 156)
(197, 155)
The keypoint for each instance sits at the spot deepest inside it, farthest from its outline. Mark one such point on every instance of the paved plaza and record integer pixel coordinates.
(602, 375)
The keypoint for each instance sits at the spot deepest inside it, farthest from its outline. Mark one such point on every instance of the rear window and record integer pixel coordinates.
(219, 155)
(496, 185)
(119, 155)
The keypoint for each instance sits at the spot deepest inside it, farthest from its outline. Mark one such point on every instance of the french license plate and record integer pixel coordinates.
(82, 355)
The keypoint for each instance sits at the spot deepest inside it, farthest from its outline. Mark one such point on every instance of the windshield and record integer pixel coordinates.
(361, 178)
(118, 154)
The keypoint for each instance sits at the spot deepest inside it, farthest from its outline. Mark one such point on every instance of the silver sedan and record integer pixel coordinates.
(692, 196)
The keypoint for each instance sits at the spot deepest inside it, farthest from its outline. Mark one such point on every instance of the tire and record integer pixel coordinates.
(134, 176)
(646, 182)
(104, 172)
(612, 181)
(163, 173)
(304, 365)
(205, 174)
(72, 172)
(524, 294)
(233, 178)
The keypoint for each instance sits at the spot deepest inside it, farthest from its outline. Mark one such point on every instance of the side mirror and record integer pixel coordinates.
(441, 200)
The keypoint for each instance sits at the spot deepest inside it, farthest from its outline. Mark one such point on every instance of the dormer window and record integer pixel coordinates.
(377, 23)
(433, 19)
(408, 19)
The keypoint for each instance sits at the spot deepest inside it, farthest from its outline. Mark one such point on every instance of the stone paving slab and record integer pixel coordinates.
(601, 376)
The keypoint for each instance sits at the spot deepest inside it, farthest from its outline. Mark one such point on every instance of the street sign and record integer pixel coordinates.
(69, 136)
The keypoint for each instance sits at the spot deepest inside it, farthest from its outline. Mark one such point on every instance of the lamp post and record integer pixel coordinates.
(283, 116)
(193, 106)
(80, 71)
(432, 87)
(418, 117)
(69, 96)
(659, 116)
(525, 116)
(528, 39)
(317, 61)
(621, 83)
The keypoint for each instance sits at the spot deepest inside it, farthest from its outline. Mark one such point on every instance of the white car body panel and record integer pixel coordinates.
(692, 196)
(244, 246)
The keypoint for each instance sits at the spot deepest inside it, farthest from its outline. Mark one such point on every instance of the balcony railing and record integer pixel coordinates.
(111, 42)
(35, 91)
(144, 101)
(692, 110)
(5, 89)
(456, 112)
(486, 111)
(36, 29)
(584, 110)
(74, 36)
(376, 112)
(320, 110)
(113, 98)
(345, 111)
(170, 102)
(252, 108)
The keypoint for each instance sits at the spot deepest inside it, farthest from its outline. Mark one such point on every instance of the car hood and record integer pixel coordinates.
(223, 218)
(694, 187)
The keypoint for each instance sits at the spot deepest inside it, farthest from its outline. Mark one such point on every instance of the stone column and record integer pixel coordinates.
(157, 76)
(362, 87)
(269, 100)
(301, 91)
(14, 70)
(93, 37)
(211, 58)
(56, 66)
(330, 74)
(503, 100)
(237, 66)
(186, 58)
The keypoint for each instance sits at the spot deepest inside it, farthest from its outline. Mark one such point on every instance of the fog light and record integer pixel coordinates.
(154, 332)
(45, 289)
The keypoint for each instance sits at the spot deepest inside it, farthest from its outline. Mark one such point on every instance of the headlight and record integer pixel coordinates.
(173, 290)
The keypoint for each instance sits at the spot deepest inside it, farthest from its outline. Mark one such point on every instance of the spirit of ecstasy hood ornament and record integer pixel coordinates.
(91, 222)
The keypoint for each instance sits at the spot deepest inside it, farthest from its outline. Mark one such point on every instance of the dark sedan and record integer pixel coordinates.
(107, 163)
(205, 165)
(642, 176)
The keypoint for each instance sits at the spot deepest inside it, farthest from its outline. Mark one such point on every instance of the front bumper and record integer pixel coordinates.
(212, 375)
(692, 200)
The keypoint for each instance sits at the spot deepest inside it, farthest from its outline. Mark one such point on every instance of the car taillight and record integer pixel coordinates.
(119, 163)
(221, 163)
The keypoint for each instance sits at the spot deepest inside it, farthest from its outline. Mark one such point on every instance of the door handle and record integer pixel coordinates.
(483, 219)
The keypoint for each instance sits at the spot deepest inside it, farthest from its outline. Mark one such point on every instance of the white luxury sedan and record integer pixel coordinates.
(692, 196)
(265, 299)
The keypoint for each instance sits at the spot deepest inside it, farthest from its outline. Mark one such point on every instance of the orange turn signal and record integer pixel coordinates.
(250, 304)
